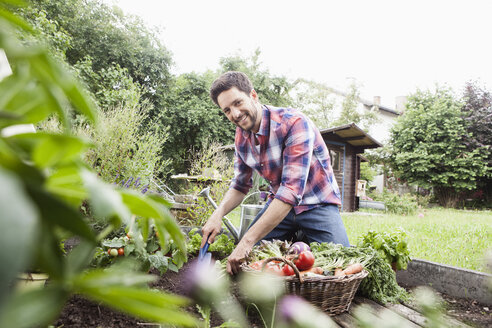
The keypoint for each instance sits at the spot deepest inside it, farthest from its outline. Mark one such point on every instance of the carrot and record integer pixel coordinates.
(353, 268)
(316, 270)
(338, 272)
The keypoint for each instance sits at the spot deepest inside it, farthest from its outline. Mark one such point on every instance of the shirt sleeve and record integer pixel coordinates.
(296, 161)
(243, 175)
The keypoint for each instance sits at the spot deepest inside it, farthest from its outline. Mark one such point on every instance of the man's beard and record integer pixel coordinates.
(251, 114)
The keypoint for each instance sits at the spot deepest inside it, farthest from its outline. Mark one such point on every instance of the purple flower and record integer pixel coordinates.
(297, 312)
(129, 182)
(203, 283)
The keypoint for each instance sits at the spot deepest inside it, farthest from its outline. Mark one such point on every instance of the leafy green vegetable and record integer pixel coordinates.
(223, 245)
(267, 249)
(380, 285)
(391, 246)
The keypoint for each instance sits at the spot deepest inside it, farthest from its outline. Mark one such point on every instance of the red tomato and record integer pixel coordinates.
(274, 267)
(257, 265)
(287, 270)
(304, 261)
(121, 251)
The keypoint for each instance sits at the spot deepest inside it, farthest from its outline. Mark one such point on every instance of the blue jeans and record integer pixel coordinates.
(320, 224)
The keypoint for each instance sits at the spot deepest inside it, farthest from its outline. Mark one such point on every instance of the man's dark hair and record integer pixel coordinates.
(229, 80)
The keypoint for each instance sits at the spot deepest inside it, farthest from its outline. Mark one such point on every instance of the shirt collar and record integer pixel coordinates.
(265, 122)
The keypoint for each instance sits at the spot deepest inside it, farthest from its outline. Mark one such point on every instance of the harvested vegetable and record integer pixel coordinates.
(316, 270)
(267, 249)
(338, 272)
(287, 270)
(304, 260)
(380, 285)
(392, 246)
(257, 265)
(353, 269)
(298, 247)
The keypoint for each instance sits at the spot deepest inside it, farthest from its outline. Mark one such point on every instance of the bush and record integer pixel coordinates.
(400, 204)
(121, 150)
(210, 162)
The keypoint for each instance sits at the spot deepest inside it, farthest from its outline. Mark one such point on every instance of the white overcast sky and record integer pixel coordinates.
(390, 47)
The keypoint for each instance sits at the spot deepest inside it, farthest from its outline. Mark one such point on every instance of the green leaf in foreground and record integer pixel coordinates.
(36, 308)
(18, 226)
(117, 289)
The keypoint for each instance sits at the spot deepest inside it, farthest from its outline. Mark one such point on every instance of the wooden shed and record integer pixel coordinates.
(346, 143)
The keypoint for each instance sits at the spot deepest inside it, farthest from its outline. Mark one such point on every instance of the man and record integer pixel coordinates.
(286, 149)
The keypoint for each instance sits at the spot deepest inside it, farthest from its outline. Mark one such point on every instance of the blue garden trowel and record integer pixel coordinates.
(204, 256)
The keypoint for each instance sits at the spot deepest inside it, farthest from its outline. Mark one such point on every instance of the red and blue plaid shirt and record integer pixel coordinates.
(292, 157)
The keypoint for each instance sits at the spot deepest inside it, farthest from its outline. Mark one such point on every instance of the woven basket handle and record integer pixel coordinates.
(287, 262)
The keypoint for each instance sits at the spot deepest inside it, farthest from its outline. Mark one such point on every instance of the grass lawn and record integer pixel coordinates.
(454, 237)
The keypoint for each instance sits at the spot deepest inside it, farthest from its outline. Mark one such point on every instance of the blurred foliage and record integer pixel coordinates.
(44, 182)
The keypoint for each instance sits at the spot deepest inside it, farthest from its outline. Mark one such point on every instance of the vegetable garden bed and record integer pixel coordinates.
(82, 313)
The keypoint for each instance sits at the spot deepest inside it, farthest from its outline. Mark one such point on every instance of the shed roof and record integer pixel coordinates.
(354, 135)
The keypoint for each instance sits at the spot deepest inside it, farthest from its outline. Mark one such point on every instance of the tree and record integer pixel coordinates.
(107, 38)
(190, 112)
(477, 113)
(350, 112)
(272, 90)
(317, 101)
(328, 107)
(192, 117)
(428, 149)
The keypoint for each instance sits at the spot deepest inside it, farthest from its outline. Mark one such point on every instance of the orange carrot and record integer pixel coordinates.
(316, 270)
(353, 268)
(338, 272)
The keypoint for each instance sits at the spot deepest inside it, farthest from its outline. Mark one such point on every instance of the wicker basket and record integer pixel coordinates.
(331, 294)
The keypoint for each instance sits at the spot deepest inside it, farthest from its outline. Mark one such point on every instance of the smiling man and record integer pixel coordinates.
(286, 149)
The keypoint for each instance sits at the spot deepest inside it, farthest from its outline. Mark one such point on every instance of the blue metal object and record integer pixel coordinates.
(203, 255)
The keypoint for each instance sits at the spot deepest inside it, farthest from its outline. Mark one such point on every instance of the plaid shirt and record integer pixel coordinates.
(292, 157)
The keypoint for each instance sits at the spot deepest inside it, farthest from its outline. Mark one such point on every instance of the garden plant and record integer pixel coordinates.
(44, 182)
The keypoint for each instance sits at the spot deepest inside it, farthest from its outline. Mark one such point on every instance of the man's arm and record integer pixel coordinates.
(211, 229)
(275, 213)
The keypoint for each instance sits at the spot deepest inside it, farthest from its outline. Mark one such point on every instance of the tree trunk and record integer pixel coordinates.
(447, 196)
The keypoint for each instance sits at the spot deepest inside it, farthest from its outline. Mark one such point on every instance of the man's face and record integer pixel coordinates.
(241, 109)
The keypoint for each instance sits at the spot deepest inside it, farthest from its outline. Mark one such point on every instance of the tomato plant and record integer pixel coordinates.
(121, 251)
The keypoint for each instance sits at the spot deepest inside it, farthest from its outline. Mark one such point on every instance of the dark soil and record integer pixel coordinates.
(469, 312)
(83, 313)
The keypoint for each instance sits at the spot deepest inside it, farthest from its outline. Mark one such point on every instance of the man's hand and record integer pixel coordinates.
(237, 257)
(211, 229)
